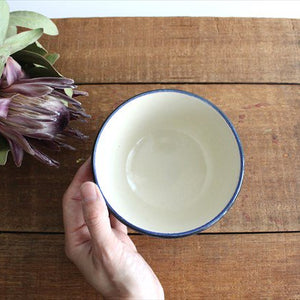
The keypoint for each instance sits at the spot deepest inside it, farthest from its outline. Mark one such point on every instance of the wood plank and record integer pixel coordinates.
(238, 266)
(98, 50)
(266, 118)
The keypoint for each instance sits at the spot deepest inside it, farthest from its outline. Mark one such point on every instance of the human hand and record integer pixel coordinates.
(99, 246)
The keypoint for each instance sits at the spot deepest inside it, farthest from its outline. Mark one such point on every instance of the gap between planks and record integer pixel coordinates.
(137, 233)
(187, 83)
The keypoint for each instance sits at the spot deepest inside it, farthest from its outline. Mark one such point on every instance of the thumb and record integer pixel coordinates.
(95, 213)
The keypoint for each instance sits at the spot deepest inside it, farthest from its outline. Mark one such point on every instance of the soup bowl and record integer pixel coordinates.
(168, 163)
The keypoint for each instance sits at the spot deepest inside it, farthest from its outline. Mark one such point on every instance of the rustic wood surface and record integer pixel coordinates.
(178, 49)
(270, 193)
(250, 69)
(217, 266)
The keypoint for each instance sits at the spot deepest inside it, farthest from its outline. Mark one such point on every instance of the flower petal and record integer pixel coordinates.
(53, 145)
(4, 104)
(45, 159)
(65, 97)
(17, 138)
(56, 82)
(17, 152)
(66, 146)
(40, 136)
(76, 114)
(12, 72)
(18, 143)
(74, 133)
(29, 89)
(79, 93)
(46, 144)
(33, 109)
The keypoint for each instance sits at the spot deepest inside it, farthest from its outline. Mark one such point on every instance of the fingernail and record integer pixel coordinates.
(89, 192)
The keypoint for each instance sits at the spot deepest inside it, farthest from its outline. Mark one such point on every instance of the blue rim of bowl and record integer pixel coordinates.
(197, 229)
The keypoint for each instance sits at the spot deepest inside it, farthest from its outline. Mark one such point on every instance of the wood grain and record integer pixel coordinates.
(266, 118)
(120, 57)
(256, 266)
(101, 50)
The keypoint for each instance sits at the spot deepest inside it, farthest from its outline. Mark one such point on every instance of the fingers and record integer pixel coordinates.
(83, 174)
(116, 224)
(96, 216)
(72, 209)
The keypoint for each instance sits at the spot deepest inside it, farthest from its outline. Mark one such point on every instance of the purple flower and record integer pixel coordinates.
(36, 112)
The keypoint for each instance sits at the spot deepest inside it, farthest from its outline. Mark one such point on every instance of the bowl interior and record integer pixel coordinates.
(167, 162)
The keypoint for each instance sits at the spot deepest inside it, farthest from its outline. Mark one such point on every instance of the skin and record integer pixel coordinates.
(98, 244)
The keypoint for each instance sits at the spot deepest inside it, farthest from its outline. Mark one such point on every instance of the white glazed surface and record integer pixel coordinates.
(167, 162)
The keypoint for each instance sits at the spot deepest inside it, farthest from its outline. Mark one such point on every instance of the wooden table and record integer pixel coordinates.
(250, 68)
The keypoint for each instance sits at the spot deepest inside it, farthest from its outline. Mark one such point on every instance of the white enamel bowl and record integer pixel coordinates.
(168, 163)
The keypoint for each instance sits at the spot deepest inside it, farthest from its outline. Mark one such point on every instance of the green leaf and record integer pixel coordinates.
(11, 30)
(36, 48)
(20, 41)
(32, 20)
(4, 54)
(65, 102)
(4, 149)
(52, 57)
(40, 71)
(69, 92)
(4, 19)
(34, 60)
(40, 45)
